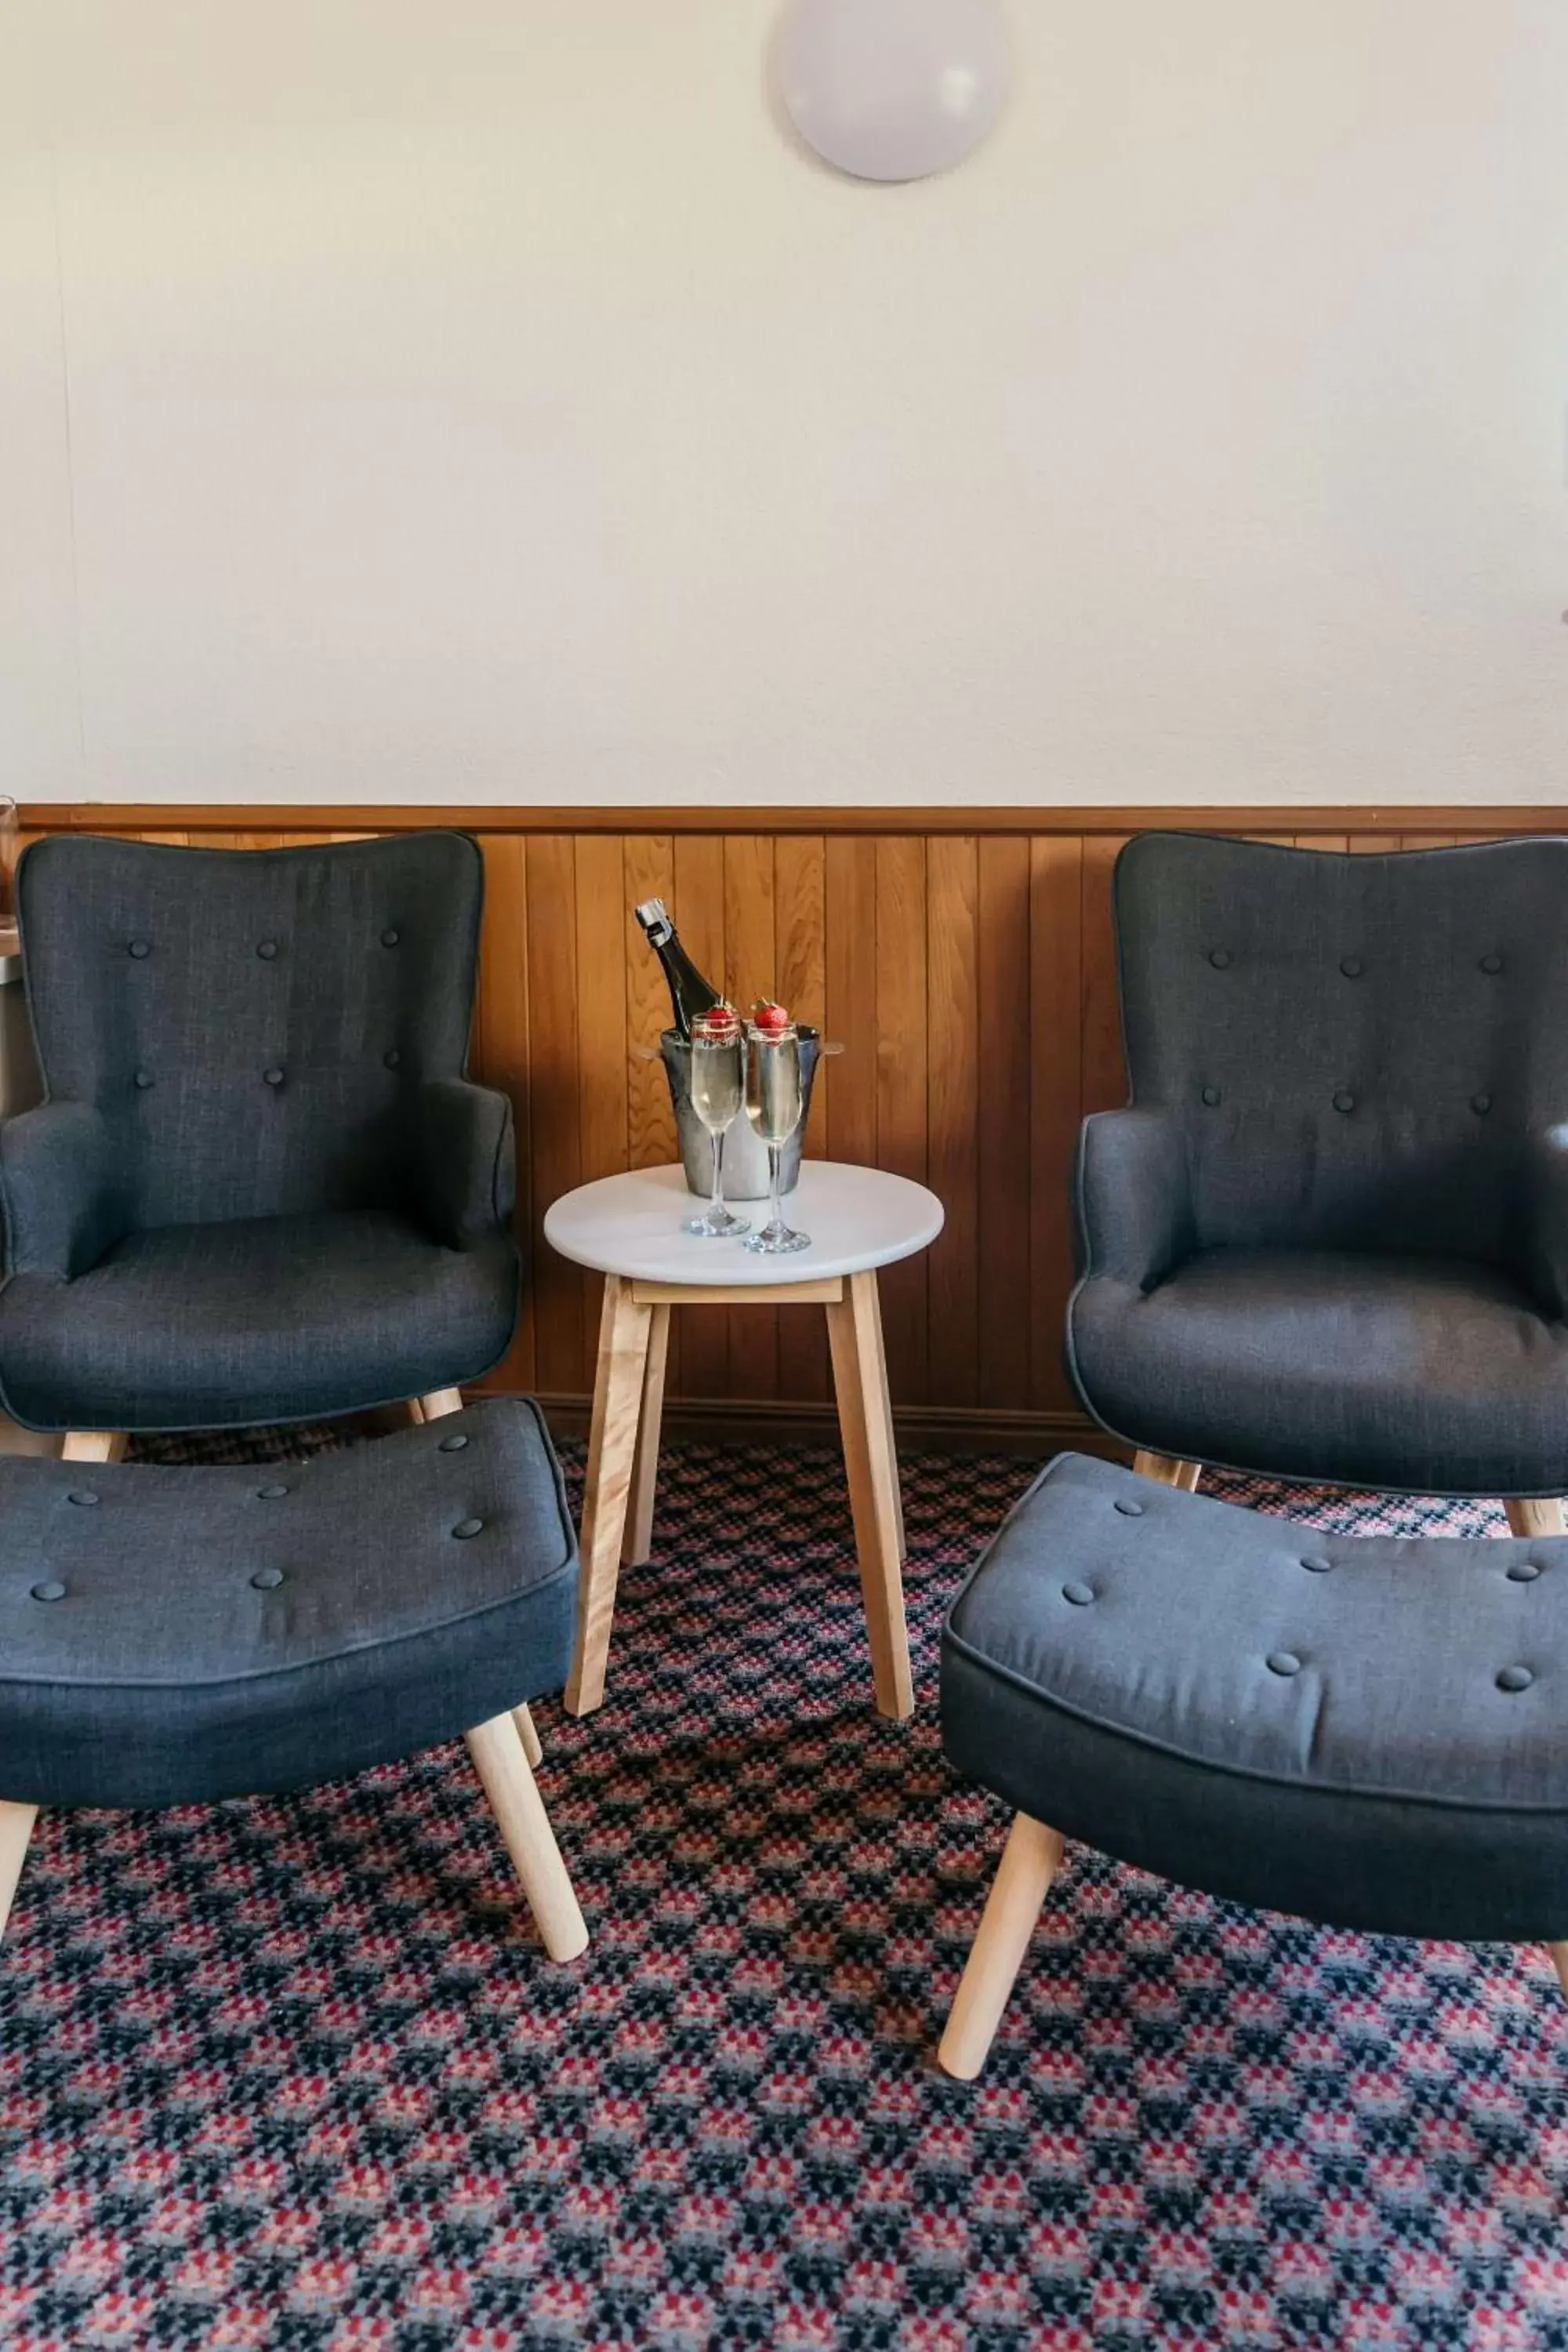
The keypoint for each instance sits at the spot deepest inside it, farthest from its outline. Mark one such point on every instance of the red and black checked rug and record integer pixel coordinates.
(293, 2071)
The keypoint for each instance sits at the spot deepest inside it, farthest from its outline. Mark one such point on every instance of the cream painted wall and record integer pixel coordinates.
(484, 399)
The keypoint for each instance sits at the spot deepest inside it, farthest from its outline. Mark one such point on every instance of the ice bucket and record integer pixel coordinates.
(745, 1155)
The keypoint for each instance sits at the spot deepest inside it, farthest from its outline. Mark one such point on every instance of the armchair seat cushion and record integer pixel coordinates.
(262, 1319)
(1425, 1374)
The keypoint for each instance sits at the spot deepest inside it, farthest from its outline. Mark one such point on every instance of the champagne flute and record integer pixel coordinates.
(773, 1107)
(718, 1065)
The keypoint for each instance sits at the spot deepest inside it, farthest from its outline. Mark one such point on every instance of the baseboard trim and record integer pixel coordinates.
(921, 1429)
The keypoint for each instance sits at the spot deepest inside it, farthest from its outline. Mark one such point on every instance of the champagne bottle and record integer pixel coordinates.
(690, 994)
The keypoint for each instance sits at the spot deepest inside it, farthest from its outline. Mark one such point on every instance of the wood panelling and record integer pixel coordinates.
(964, 960)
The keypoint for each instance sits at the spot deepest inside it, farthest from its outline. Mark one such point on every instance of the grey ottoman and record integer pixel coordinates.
(171, 1636)
(1370, 1731)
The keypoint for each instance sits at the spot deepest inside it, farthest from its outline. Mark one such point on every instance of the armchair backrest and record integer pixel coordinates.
(252, 1025)
(1362, 1052)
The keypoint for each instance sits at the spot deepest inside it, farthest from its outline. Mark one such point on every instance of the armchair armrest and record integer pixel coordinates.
(1545, 1221)
(465, 1160)
(61, 1183)
(1133, 1197)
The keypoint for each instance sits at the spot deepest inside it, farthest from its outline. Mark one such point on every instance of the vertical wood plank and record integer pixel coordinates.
(902, 1090)
(1002, 1190)
(703, 1364)
(602, 1114)
(501, 1058)
(648, 872)
(952, 983)
(1104, 1071)
(554, 1081)
(1056, 1101)
(801, 971)
(850, 960)
(750, 973)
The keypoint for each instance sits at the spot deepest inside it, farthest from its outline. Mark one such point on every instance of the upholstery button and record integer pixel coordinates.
(267, 950)
(1523, 1572)
(1344, 1100)
(144, 1079)
(53, 1590)
(455, 1444)
(1220, 958)
(267, 1579)
(1351, 967)
(1515, 1678)
(141, 949)
(392, 1057)
(1211, 1096)
(274, 1078)
(1080, 1595)
(1491, 965)
(389, 938)
(84, 1497)
(1480, 1105)
(1315, 1564)
(467, 1527)
(270, 1494)
(1128, 1508)
(1284, 1662)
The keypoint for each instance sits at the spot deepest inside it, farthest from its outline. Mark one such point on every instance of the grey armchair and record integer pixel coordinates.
(261, 1188)
(1328, 1239)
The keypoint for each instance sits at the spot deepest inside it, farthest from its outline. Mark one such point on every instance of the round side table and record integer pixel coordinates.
(629, 1228)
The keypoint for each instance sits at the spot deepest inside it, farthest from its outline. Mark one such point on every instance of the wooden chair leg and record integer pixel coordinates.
(438, 1402)
(865, 1420)
(1534, 1515)
(1167, 1470)
(519, 1807)
(1560, 1962)
(1029, 1862)
(93, 1446)
(16, 1828)
(533, 1745)
(638, 1539)
(624, 1333)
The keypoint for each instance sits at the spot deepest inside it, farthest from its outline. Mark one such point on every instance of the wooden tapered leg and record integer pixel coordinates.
(1560, 1962)
(93, 1446)
(533, 1745)
(638, 1541)
(860, 1379)
(438, 1402)
(16, 1828)
(624, 1331)
(1029, 1862)
(519, 1807)
(1168, 1471)
(1534, 1515)
(892, 1440)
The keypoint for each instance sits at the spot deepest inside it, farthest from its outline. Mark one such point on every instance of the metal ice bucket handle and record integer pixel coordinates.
(745, 1155)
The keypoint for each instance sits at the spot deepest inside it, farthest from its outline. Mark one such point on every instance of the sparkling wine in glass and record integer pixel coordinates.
(773, 1107)
(717, 1090)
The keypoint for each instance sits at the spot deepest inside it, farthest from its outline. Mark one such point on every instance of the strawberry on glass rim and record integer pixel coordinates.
(719, 1022)
(769, 1020)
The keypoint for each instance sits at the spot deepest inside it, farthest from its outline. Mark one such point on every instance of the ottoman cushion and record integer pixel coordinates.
(1369, 1730)
(172, 1635)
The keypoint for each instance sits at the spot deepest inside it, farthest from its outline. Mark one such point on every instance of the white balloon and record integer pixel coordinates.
(893, 90)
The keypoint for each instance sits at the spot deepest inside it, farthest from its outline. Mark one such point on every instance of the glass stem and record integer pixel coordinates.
(716, 1205)
(776, 1220)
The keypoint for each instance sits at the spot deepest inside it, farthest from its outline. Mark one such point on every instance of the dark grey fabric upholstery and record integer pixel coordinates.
(1365, 1730)
(257, 1115)
(1329, 1236)
(168, 1636)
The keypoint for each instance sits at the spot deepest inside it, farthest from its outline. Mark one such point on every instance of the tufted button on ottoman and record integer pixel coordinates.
(1377, 1744)
(215, 1637)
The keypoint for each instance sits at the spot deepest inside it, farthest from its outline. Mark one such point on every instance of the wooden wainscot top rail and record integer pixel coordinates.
(156, 816)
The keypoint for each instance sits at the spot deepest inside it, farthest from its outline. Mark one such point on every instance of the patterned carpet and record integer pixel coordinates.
(293, 2071)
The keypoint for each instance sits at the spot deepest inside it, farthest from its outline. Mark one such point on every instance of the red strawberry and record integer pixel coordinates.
(770, 1018)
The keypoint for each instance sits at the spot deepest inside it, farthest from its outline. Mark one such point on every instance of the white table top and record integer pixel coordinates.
(856, 1217)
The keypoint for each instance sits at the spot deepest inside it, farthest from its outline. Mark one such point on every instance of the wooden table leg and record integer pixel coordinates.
(624, 1331)
(860, 1379)
(638, 1539)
